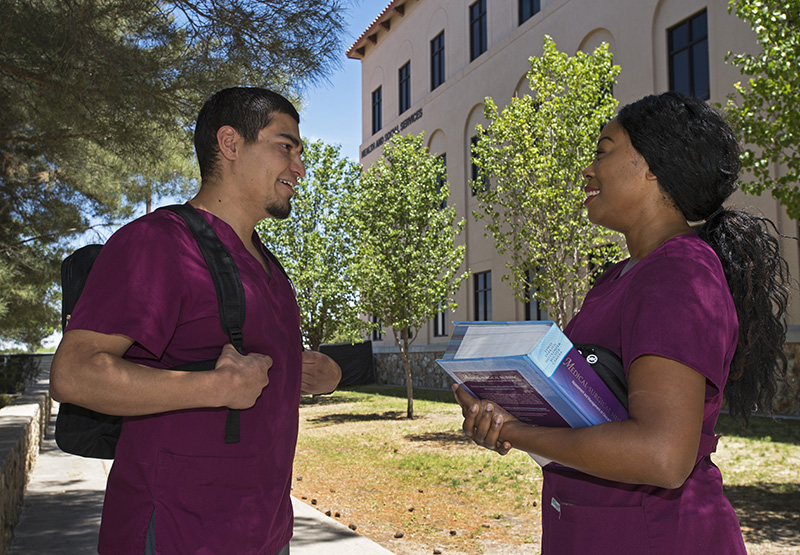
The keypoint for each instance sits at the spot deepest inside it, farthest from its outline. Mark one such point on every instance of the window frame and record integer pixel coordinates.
(525, 6)
(477, 29)
(442, 179)
(532, 302)
(437, 61)
(377, 333)
(474, 169)
(482, 283)
(404, 87)
(440, 322)
(692, 50)
(377, 110)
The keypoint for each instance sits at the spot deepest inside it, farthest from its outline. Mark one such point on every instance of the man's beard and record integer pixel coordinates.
(279, 210)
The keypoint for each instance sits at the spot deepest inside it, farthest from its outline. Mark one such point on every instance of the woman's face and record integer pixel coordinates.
(620, 188)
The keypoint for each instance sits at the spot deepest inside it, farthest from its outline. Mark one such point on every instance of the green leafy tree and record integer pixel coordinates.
(534, 150)
(767, 107)
(97, 105)
(315, 245)
(408, 262)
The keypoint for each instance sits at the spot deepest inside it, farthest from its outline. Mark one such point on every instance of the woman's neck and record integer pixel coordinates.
(643, 243)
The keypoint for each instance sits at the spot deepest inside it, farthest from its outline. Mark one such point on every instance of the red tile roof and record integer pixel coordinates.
(394, 5)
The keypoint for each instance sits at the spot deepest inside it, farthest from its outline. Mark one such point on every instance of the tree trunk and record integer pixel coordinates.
(409, 386)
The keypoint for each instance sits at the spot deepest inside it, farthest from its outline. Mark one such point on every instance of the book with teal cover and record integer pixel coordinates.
(532, 370)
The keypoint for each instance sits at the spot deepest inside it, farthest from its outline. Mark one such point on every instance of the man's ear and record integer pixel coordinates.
(650, 176)
(228, 142)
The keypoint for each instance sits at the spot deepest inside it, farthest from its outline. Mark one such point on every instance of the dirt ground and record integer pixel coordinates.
(411, 520)
(767, 530)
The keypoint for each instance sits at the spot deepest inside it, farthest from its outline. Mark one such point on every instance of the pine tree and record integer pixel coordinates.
(97, 107)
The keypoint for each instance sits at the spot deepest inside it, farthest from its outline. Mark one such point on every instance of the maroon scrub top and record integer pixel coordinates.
(150, 283)
(677, 304)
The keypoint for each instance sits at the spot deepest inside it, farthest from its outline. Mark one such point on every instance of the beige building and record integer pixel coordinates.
(428, 65)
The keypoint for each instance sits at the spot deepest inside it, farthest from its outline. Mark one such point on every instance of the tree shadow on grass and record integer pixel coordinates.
(400, 392)
(442, 439)
(777, 430)
(327, 400)
(349, 418)
(767, 512)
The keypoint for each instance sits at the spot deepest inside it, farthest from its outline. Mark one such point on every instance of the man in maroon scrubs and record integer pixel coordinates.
(150, 304)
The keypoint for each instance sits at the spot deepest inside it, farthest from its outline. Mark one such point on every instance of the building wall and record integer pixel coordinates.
(636, 31)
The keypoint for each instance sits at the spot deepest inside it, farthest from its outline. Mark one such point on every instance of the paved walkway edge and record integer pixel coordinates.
(22, 427)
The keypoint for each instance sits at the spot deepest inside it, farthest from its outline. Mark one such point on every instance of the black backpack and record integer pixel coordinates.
(88, 433)
(608, 366)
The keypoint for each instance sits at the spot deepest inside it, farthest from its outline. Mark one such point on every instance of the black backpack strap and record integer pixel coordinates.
(227, 282)
(224, 272)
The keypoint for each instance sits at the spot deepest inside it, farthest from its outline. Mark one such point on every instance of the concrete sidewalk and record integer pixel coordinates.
(64, 499)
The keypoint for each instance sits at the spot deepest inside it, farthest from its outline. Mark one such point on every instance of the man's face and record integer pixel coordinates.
(270, 167)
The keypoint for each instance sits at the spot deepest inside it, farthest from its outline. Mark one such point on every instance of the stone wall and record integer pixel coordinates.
(22, 426)
(426, 374)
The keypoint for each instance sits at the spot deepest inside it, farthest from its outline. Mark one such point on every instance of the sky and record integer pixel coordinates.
(332, 110)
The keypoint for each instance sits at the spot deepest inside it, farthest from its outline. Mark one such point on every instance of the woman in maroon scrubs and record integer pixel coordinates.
(695, 314)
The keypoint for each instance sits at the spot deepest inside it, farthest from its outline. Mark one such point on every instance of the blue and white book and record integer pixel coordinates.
(531, 370)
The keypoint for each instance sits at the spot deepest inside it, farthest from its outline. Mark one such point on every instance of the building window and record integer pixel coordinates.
(475, 171)
(442, 179)
(477, 29)
(437, 60)
(440, 322)
(377, 333)
(527, 9)
(404, 93)
(377, 110)
(483, 296)
(688, 57)
(533, 311)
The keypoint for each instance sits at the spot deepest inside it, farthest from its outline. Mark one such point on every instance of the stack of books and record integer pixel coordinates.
(531, 370)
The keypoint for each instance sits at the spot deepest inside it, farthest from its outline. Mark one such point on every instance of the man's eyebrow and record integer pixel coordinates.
(604, 138)
(292, 139)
